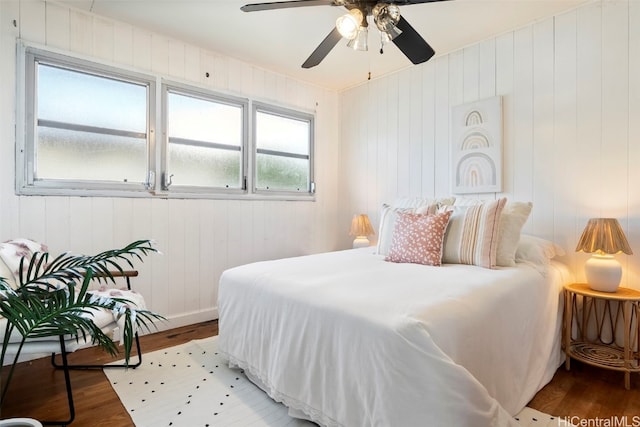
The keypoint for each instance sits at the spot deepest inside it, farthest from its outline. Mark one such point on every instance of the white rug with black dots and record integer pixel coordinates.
(190, 385)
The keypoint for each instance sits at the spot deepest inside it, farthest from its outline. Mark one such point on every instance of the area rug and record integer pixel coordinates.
(191, 385)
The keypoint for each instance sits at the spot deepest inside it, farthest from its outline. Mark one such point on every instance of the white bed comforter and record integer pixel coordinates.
(351, 340)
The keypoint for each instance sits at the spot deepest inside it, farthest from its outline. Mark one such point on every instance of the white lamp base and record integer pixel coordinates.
(603, 273)
(360, 242)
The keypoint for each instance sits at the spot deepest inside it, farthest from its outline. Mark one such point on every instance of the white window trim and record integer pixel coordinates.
(288, 113)
(27, 55)
(156, 144)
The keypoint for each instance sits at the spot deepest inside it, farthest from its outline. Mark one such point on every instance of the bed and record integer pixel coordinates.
(347, 339)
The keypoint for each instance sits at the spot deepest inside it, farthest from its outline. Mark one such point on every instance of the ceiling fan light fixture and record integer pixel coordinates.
(360, 41)
(390, 34)
(386, 16)
(349, 24)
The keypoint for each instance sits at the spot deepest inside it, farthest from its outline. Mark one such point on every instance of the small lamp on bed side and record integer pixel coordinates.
(361, 228)
(603, 237)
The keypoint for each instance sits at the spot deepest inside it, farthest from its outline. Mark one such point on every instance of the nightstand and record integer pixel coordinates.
(603, 330)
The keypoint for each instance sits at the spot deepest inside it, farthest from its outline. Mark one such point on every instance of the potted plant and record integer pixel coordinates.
(53, 298)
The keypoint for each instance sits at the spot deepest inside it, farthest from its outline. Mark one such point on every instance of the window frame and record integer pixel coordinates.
(258, 106)
(29, 56)
(170, 86)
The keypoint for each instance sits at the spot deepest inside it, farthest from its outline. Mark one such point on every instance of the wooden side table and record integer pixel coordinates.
(593, 335)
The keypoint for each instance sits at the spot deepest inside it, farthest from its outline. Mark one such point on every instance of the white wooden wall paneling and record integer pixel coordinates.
(633, 224)
(415, 132)
(80, 32)
(504, 70)
(615, 107)
(32, 20)
(428, 129)
(57, 26)
(403, 132)
(101, 220)
(570, 114)
(442, 111)
(471, 73)
(178, 274)
(374, 178)
(565, 142)
(122, 44)
(393, 107)
(103, 39)
(206, 254)
(487, 69)
(136, 223)
(192, 262)
(543, 128)
(175, 283)
(588, 119)
(158, 214)
(523, 117)
(177, 60)
(9, 206)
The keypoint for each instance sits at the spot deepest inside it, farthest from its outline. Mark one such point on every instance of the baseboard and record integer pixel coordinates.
(175, 321)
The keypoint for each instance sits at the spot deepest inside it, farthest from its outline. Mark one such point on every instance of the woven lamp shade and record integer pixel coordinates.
(361, 226)
(603, 236)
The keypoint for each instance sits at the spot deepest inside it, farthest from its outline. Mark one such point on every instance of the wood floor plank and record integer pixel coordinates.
(38, 391)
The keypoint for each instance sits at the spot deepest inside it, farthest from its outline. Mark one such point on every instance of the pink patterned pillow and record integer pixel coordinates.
(417, 238)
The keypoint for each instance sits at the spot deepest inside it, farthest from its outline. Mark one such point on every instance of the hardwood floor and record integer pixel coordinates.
(38, 391)
(584, 393)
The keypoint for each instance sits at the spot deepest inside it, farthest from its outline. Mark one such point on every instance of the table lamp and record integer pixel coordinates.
(603, 237)
(361, 228)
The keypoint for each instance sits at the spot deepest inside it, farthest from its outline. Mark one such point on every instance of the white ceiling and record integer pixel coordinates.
(281, 40)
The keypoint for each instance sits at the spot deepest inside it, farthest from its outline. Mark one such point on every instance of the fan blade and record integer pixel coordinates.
(323, 49)
(285, 4)
(412, 44)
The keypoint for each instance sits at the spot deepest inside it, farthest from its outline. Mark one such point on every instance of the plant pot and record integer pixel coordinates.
(20, 422)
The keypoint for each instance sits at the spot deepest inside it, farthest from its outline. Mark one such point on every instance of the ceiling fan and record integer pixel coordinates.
(354, 26)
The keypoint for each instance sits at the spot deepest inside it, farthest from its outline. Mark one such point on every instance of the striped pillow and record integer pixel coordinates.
(472, 234)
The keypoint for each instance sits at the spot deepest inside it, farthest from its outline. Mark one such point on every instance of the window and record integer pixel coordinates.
(205, 139)
(283, 147)
(89, 129)
(90, 125)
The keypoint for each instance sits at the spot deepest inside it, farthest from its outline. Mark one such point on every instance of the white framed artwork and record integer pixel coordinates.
(476, 146)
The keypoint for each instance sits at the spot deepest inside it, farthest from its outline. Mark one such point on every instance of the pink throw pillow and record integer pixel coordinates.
(417, 238)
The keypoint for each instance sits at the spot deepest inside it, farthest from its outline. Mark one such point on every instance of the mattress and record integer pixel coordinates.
(347, 339)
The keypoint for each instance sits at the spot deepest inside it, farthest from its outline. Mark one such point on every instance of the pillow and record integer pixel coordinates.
(536, 250)
(417, 202)
(417, 238)
(7, 275)
(468, 201)
(12, 251)
(388, 216)
(513, 217)
(472, 234)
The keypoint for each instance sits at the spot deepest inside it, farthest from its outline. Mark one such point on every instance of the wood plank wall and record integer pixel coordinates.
(571, 109)
(198, 238)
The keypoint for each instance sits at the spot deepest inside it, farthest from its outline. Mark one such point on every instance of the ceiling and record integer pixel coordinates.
(281, 40)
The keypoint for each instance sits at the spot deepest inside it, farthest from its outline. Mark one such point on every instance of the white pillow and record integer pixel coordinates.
(418, 202)
(388, 217)
(12, 252)
(537, 250)
(7, 275)
(513, 217)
